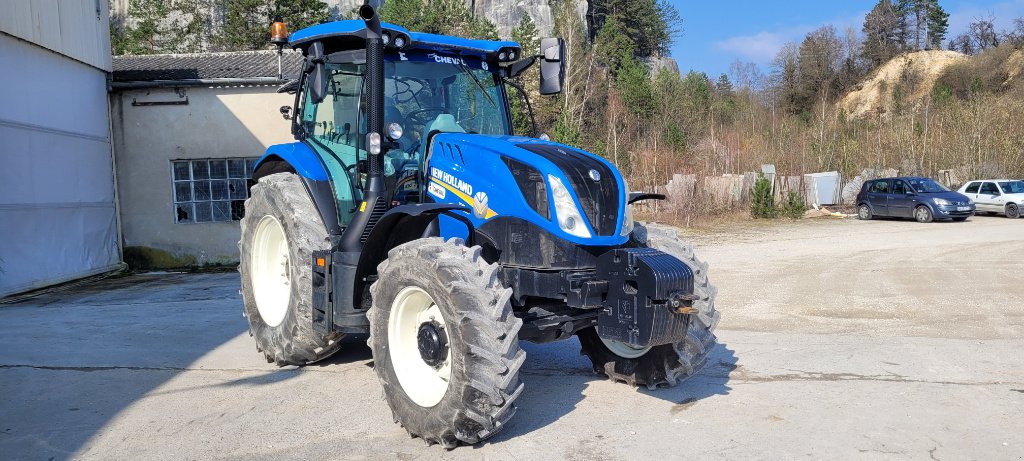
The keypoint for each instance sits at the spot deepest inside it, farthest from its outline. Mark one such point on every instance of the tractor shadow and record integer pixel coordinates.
(556, 377)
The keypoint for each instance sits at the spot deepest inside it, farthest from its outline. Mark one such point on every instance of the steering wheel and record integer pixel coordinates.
(417, 117)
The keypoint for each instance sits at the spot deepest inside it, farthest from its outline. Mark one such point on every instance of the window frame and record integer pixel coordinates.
(235, 203)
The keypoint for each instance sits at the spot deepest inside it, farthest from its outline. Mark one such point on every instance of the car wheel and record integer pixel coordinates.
(923, 214)
(864, 212)
(1012, 211)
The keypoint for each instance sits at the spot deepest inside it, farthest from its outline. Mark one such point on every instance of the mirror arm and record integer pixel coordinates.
(518, 67)
(529, 107)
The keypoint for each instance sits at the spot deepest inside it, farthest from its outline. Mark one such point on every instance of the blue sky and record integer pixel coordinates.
(718, 32)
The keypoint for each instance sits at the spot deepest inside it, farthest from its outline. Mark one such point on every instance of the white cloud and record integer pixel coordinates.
(762, 47)
(1004, 13)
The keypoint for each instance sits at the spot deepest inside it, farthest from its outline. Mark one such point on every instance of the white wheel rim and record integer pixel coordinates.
(624, 350)
(271, 287)
(424, 384)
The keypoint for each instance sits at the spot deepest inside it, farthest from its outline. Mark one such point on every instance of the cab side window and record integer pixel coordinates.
(881, 187)
(899, 188)
(332, 126)
(973, 188)
(989, 188)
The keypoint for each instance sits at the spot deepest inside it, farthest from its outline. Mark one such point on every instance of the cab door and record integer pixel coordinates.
(878, 197)
(989, 198)
(901, 202)
(971, 192)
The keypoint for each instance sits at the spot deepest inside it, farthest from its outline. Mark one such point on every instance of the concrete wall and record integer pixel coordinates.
(216, 122)
(79, 29)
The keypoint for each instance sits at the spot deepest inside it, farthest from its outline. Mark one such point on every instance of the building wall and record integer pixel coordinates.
(216, 122)
(58, 219)
(78, 29)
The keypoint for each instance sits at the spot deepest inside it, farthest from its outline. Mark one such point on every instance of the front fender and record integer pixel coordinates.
(297, 154)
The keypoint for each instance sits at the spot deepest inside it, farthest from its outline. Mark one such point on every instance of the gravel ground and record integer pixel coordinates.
(881, 278)
(838, 340)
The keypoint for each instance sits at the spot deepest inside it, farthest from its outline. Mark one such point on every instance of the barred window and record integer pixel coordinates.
(211, 190)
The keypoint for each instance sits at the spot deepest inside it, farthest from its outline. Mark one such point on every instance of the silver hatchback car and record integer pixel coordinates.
(1001, 196)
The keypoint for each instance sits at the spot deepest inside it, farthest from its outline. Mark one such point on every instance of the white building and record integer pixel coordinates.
(58, 219)
(187, 130)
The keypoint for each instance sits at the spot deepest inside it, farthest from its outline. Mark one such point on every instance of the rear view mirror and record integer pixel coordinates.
(552, 65)
(318, 74)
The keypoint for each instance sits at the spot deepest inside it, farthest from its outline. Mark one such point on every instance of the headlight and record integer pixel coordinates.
(941, 202)
(627, 219)
(970, 201)
(566, 212)
(395, 131)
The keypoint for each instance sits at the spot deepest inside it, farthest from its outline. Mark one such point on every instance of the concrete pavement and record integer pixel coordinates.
(161, 367)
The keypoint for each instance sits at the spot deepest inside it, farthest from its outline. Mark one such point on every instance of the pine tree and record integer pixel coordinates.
(938, 24)
(650, 25)
(246, 23)
(160, 26)
(883, 29)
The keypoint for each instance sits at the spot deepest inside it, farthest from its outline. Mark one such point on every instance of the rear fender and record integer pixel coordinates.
(300, 159)
(400, 225)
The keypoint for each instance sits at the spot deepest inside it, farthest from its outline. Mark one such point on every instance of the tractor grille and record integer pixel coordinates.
(598, 199)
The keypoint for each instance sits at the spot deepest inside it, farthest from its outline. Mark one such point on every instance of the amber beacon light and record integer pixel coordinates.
(278, 32)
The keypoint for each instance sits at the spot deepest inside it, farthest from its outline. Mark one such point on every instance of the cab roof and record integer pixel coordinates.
(351, 34)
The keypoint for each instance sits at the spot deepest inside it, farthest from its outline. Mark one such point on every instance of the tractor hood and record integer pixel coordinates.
(513, 176)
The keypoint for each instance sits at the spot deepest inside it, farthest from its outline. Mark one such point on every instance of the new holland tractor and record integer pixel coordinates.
(408, 210)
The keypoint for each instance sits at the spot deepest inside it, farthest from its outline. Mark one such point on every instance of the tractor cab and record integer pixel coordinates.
(432, 84)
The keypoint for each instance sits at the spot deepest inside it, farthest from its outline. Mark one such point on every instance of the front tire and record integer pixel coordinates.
(280, 230)
(445, 342)
(1012, 211)
(864, 212)
(923, 214)
(667, 364)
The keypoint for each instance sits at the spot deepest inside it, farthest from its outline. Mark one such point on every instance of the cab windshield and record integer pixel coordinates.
(427, 92)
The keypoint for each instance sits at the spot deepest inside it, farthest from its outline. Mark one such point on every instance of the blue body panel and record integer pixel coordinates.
(306, 162)
(480, 170)
(467, 45)
(335, 29)
(420, 40)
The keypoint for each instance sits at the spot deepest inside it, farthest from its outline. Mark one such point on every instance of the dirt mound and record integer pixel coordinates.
(1014, 66)
(914, 73)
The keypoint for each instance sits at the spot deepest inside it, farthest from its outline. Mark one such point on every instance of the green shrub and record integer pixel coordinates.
(794, 206)
(762, 202)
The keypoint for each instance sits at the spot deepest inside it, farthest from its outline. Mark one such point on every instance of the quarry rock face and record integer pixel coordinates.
(507, 14)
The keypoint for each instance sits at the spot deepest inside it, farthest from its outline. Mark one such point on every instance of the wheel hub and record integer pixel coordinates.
(433, 343)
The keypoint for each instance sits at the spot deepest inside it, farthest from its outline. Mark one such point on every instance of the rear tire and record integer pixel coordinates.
(864, 212)
(280, 230)
(478, 337)
(667, 364)
(1012, 211)
(923, 214)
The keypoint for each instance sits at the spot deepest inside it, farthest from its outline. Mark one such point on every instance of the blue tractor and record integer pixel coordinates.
(408, 210)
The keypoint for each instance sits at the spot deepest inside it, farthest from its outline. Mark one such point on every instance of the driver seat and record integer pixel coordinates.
(444, 123)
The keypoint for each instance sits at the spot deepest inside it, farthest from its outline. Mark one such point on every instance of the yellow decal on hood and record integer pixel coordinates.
(470, 200)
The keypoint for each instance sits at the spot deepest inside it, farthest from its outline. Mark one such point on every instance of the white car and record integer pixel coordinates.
(1003, 196)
